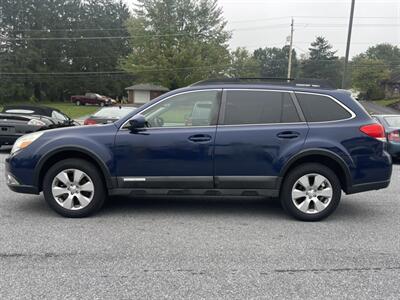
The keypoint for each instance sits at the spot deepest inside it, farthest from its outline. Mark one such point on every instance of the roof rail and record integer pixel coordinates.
(300, 82)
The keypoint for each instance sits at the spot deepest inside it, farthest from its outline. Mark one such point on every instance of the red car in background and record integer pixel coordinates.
(92, 99)
(108, 115)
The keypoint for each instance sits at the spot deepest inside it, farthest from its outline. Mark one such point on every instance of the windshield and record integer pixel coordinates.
(114, 112)
(393, 121)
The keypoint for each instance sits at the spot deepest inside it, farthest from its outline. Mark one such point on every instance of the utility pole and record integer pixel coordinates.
(346, 60)
(289, 70)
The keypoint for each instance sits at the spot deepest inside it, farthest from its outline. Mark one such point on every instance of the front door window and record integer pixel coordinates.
(188, 109)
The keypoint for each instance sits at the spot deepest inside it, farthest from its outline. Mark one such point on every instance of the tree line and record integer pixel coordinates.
(51, 49)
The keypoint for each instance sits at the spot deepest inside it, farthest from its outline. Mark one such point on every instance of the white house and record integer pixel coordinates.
(144, 92)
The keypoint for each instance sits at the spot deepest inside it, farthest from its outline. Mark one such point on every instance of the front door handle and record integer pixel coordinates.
(288, 135)
(200, 138)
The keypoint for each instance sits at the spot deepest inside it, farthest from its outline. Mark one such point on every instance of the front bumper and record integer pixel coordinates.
(24, 189)
(14, 184)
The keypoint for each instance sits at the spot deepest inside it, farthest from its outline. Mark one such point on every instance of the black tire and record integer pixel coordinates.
(102, 104)
(294, 175)
(78, 103)
(99, 195)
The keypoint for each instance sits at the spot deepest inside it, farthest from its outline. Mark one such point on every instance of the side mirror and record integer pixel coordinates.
(137, 123)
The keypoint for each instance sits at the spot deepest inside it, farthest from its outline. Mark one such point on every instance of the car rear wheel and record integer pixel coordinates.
(74, 188)
(310, 192)
(78, 103)
(102, 104)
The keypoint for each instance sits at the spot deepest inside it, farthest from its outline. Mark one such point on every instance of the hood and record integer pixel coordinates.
(80, 130)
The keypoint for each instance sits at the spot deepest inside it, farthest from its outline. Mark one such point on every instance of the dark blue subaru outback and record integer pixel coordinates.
(302, 144)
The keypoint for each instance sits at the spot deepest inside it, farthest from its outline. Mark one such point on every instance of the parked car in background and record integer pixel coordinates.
(92, 99)
(109, 115)
(391, 123)
(215, 138)
(17, 120)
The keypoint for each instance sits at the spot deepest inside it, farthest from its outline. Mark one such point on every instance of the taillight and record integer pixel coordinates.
(89, 122)
(394, 136)
(375, 131)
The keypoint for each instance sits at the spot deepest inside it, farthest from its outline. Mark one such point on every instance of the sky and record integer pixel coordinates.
(261, 23)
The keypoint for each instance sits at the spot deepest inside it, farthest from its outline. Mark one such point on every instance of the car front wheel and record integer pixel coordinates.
(74, 188)
(310, 192)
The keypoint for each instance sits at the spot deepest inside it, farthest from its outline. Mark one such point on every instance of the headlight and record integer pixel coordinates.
(36, 122)
(25, 141)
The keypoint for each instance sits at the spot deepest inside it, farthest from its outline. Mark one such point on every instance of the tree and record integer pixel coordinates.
(368, 75)
(274, 61)
(322, 63)
(387, 53)
(243, 64)
(35, 39)
(177, 42)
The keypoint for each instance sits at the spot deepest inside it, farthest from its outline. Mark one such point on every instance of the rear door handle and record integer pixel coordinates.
(288, 135)
(200, 138)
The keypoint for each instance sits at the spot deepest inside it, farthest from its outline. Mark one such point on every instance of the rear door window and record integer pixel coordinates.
(259, 107)
(319, 108)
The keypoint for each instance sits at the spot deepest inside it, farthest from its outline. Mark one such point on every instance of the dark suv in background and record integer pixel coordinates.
(301, 143)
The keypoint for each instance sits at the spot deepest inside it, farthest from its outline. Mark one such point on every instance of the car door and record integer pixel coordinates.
(258, 131)
(173, 152)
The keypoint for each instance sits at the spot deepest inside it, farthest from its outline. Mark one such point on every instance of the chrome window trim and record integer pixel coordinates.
(166, 98)
(352, 114)
(291, 92)
(263, 124)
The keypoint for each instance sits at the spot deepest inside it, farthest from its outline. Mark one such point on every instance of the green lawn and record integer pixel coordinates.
(73, 111)
(386, 102)
(69, 109)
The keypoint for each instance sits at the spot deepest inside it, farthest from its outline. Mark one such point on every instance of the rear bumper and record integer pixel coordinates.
(358, 188)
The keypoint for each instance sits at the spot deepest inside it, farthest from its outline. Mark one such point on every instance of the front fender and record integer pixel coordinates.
(105, 161)
(96, 142)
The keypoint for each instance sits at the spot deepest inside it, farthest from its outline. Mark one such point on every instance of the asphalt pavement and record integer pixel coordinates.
(376, 109)
(200, 249)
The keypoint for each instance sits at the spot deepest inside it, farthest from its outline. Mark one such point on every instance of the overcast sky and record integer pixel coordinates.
(260, 23)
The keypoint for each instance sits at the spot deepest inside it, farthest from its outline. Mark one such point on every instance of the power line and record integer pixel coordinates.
(130, 37)
(305, 26)
(99, 73)
(345, 25)
(49, 30)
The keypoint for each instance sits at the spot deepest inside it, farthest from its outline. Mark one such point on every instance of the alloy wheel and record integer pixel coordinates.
(312, 193)
(72, 189)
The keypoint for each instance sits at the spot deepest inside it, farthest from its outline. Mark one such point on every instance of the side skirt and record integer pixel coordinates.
(193, 192)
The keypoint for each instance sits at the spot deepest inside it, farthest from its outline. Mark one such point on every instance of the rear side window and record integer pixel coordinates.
(318, 108)
(259, 107)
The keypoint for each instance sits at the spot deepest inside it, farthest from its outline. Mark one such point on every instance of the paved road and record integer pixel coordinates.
(373, 108)
(200, 249)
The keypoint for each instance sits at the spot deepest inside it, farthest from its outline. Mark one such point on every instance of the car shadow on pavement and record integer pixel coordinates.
(349, 209)
(193, 206)
(197, 206)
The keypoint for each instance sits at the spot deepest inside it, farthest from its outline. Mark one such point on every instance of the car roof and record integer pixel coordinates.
(251, 86)
(37, 110)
